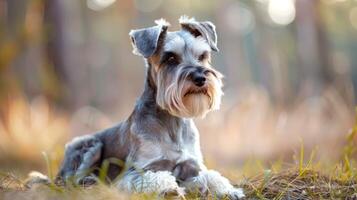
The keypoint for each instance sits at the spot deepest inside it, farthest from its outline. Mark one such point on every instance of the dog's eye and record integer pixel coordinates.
(203, 56)
(170, 58)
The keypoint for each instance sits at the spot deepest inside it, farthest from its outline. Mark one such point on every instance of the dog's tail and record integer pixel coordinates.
(36, 178)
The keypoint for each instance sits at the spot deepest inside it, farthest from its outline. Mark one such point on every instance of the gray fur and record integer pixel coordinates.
(161, 151)
(185, 170)
(81, 154)
(205, 29)
(145, 41)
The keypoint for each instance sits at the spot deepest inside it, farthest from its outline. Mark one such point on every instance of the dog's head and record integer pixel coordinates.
(180, 66)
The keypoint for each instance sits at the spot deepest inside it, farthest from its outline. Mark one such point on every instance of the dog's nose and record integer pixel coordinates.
(198, 79)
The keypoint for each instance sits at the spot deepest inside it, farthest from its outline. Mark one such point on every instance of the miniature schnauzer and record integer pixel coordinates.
(159, 142)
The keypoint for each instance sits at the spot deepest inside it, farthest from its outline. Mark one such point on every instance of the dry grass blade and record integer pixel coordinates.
(292, 185)
(10, 182)
(289, 184)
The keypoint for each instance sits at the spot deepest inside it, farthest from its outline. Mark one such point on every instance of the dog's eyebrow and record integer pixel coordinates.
(200, 45)
(175, 44)
(204, 54)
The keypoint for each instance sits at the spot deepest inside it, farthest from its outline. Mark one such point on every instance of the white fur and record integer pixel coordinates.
(184, 19)
(216, 85)
(181, 150)
(162, 22)
(196, 46)
(200, 46)
(214, 182)
(174, 44)
(36, 174)
(150, 182)
(185, 45)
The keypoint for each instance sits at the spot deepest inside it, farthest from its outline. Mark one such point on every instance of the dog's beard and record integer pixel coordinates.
(181, 98)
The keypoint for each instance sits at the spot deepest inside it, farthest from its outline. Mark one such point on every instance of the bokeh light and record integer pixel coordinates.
(240, 18)
(353, 17)
(282, 12)
(98, 5)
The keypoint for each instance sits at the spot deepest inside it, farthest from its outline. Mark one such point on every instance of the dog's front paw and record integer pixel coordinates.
(186, 170)
(87, 181)
(235, 194)
(176, 193)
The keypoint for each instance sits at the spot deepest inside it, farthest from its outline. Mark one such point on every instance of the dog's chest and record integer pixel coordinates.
(182, 147)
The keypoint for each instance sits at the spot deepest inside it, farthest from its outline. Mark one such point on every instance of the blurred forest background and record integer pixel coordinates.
(290, 66)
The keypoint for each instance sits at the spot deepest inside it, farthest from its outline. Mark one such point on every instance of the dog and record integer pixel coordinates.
(159, 142)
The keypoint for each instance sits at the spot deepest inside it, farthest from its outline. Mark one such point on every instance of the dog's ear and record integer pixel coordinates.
(145, 41)
(205, 29)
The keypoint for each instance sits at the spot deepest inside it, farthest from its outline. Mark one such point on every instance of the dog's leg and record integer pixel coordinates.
(162, 183)
(80, 155)
(210, 181)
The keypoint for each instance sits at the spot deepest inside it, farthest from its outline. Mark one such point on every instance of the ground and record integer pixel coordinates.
(304, 183)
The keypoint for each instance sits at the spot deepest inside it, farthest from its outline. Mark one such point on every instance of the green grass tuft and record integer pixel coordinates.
(307, 179)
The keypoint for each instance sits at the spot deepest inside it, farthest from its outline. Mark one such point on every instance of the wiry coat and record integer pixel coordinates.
(159, 142)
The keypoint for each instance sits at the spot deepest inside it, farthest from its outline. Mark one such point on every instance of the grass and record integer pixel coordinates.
(291, 184)
(304, 180)
(308, 180)
(308, 177)
(286, 184)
